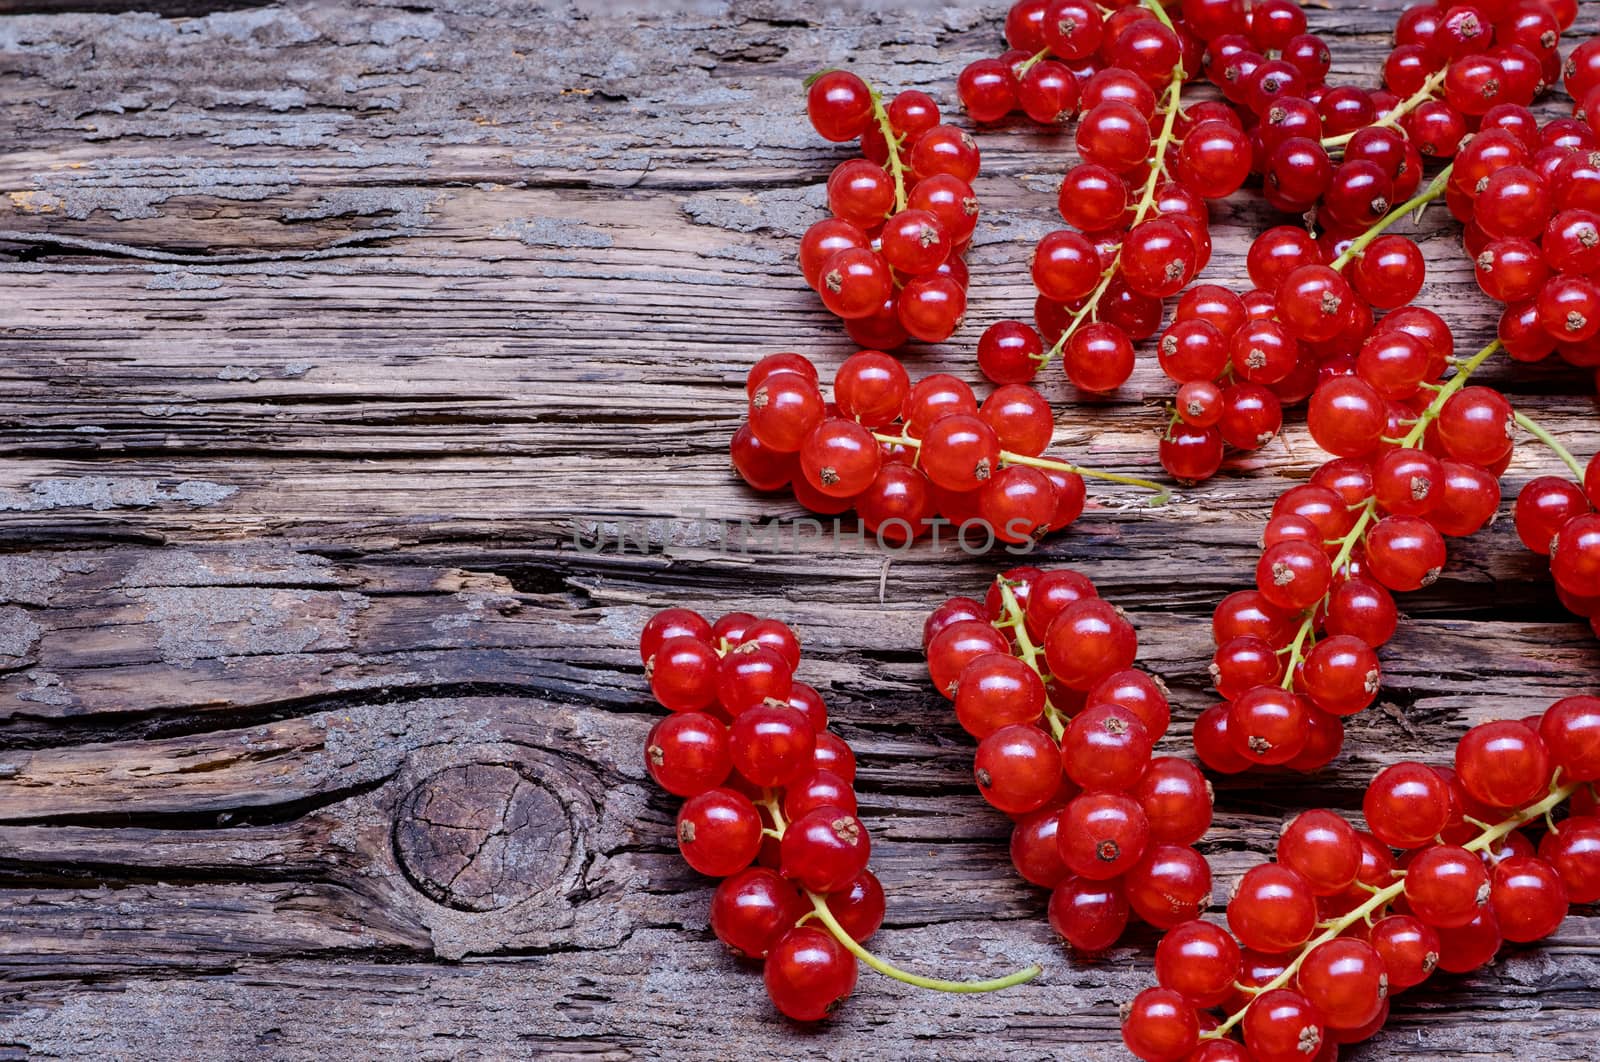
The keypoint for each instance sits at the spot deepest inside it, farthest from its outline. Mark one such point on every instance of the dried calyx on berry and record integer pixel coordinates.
(769, 807)
(1100, 820)
(1320, 940)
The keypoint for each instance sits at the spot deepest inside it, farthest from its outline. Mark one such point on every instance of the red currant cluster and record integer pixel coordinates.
(1555, 518)
(1137, 237)
(1322, 937)
(889, 260)
(1529, 199)
(766, 783)
(1238, 360)
(1067, 752)
(1370, 522)
(903, 456)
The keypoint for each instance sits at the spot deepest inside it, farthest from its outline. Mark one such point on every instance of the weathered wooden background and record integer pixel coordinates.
(321, 323)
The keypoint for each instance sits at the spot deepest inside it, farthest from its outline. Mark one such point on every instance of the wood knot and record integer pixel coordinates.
(481, 837)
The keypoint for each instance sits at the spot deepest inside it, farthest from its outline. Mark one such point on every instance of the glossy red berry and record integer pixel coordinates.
(1529, 898)
(752, 909)
(1346, 982)
(840, 105)
(1409, 948)
(1102, 835)
(1017, 768)
(719, 832)
(687, 753)
(808, 974)
(1406, 804)
(1090, 915)
(1273, 909)
(1105, 747)
(1503, 764)
(1323, 848)
(1200, 961)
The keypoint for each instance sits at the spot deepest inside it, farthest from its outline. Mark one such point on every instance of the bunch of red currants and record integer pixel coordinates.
(769, 807)
(1100, 820)
(1318, 941)
(905, 456)
(889, 260)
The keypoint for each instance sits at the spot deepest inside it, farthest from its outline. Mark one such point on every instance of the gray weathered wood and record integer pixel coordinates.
(322, 326)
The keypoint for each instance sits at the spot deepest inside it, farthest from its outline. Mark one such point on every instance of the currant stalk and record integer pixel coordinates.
(897, 167)
(822, 914)
(1147, 198)
(1369, 508)
(1162, 494)
(1538, 431)
(1380, 898)
(1400, 110)
(1435, 189)
(1012, 619)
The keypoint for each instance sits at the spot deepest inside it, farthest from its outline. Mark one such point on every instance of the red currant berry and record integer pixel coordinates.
(1409, 948)
(752, 909)
(1323, 848)
(1272, 909)
(1528, 897)
(1034, 852)
(1503, 764)
(683, 674)
(1169, 886)
(719, 832)
(1089, 915)
(1199, 961)
(1102, 835)
(808, 974)
(1105, 748)
(1407, 804)
(840, 105)
(687, 753)
(1404, 553)
(1346, 982)
(1160, 1026)
(1087, 641)
(1017, 768)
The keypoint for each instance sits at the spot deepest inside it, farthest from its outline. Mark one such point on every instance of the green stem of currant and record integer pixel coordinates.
(1386, 895)
(819, 911)
(1156, 8)
(1399, 111)
(897, 166)
(1014, 620)
(825, 916)
(1032, 61)
(1538, 431)
(1147, 199)
(1434, 190)
(1009, 458)
(1369, 508)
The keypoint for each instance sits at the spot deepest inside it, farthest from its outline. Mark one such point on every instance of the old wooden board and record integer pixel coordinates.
(324, 324)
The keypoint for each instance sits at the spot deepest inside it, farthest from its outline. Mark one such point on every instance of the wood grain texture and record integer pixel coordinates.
(327, 328)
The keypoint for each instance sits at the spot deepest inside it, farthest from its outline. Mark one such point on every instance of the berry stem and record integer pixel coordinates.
(1157, 9)
(1009, 458)
(819, 911)
(1013, 620)
(1399, 111)
(1147, 199)
(1369, 508)
(1033, 60)
(1535, 429)
(825, 916)
(1382, 897)
(1434, 190)
(897, 167)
